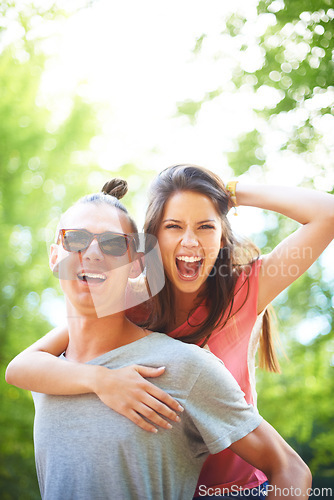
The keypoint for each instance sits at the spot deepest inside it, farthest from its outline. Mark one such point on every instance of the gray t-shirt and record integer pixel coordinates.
(86, 451)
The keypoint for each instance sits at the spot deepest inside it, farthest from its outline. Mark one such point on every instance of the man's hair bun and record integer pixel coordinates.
(115, 187)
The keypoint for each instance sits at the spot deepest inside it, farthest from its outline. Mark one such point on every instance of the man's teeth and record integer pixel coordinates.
(92, 275)
(185, 258)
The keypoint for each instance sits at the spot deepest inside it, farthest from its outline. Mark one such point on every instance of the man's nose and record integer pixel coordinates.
(93, 252)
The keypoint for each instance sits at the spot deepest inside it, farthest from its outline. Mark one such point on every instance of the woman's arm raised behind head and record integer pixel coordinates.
(296, 253)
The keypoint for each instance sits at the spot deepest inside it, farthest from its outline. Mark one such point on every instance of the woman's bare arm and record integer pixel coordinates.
(124, 390)
(296, 253)
(38, 368)
(289, 477)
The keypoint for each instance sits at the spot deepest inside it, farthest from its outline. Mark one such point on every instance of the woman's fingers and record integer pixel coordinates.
(137, 419)
(149, 371)
(126, 391)
(158, 393)
(161, 402)
(150, 413)
(157, 412)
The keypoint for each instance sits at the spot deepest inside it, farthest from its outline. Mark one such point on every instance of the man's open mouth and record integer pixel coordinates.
(188, 266)
(92, 278)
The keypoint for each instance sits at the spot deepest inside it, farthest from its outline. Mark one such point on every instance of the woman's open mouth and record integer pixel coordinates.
(188, 267)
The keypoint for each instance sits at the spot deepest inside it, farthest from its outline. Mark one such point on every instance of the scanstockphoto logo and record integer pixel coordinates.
(130, 272)
(263, 491)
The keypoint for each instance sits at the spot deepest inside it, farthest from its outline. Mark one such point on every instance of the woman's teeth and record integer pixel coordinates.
(185, 258)
(188, 266)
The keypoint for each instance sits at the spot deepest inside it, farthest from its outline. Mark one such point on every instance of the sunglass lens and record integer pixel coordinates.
(115, 245)
(75, 241)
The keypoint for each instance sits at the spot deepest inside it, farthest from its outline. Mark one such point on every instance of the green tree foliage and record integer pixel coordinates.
(44, 166)
(294, 43)
(298, 64)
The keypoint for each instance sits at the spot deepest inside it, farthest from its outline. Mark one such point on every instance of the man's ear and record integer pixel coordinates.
(53, 258)
(137, 265)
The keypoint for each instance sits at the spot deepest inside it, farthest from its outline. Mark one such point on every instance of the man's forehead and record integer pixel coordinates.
(95, 218)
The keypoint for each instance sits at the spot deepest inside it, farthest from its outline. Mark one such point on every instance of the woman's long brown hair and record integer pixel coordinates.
(236, 256)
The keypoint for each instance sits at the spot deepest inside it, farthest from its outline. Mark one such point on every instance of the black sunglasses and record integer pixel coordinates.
(78, 240)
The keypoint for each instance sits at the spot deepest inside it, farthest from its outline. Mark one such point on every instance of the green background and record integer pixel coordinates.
(40, 176)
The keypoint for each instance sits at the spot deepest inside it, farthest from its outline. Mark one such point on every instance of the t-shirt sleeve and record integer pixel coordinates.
(217, 409)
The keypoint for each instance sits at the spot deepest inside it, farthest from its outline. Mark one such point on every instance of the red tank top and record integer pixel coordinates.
(235, 344)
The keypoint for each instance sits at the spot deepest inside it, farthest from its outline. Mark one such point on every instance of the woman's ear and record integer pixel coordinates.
(53, 258)
(137, 266)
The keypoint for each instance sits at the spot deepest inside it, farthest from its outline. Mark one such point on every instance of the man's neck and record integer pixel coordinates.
(91, 337)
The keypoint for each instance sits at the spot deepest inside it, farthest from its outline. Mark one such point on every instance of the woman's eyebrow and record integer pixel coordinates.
(207, 220)
(199, 222)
